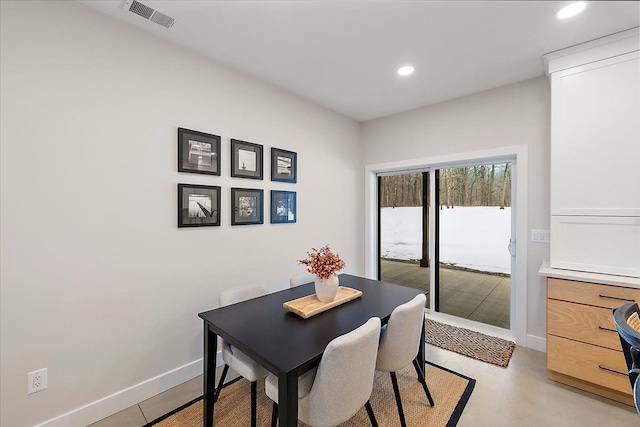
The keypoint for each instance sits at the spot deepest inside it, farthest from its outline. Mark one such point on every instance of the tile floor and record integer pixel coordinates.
(479, 297)
(155, 407)
(519, 395)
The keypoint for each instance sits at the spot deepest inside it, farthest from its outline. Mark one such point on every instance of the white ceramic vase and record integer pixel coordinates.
(327, 289)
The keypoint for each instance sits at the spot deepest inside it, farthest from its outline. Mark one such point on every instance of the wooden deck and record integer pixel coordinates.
(476, 296)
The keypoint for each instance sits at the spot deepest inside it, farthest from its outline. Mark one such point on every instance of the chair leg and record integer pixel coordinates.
(274, 415)
(216, 392)
(254, 398)
(423, 381)
(396, 391)
(372, 417)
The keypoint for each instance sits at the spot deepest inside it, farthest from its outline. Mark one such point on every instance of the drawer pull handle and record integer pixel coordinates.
(607, 329)
(617, 298)
(612, 370)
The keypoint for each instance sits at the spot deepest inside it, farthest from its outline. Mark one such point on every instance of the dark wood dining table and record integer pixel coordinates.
(288, 345)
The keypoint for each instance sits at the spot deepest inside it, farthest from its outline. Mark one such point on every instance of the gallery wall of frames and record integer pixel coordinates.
(199, 205)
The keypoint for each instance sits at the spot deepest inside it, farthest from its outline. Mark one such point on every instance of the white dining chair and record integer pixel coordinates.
(333, 392)
(399, 345)
(301, 279)
(234, 358)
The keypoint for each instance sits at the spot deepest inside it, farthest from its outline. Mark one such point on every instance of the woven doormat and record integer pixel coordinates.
(469, 343)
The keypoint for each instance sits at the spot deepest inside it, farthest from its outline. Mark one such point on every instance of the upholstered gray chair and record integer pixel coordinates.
(333, 392)
(233, 357)
(400, 343)
(301, 279)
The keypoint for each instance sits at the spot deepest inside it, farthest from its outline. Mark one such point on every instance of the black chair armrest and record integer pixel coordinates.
(636, 394)
(635, 356)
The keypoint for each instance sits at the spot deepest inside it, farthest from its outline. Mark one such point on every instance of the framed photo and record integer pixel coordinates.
(247, 206)
(246, 159)
(283, 206)
(198, 152)
(198, 205)
(284, 165)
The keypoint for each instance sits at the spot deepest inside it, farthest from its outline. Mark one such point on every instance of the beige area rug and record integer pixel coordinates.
(469, 343)
(450, 392)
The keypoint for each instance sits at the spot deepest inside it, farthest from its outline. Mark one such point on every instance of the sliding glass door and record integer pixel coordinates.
(473, 235)
(403, 212)
(470, 249)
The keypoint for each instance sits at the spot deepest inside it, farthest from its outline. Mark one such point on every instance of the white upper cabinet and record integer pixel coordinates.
(595, 155)
(595, 137)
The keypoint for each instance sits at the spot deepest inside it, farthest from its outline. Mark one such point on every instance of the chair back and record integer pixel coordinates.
(401, 340)
(344, 378)
(630, 341)
(301, 279)
(239, 294)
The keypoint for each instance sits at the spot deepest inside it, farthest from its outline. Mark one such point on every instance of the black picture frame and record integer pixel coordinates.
(284, 165)
(198, 152)
(198, 205)
(246, 159)
(247, 206)
(283, 207)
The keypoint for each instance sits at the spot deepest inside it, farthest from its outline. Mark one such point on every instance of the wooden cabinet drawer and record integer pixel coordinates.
(593, 325)
(590, 293)
(588, 362)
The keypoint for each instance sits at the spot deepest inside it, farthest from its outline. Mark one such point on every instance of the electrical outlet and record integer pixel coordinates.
(36, 380)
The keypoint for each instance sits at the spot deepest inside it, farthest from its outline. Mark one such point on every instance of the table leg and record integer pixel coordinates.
(421, 358)
(209, 374)
(288, 400)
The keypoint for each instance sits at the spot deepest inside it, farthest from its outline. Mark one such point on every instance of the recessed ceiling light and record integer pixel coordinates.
(405, 71)
(571, 10)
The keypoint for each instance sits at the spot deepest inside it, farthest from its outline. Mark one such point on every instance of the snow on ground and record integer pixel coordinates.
(473, 237)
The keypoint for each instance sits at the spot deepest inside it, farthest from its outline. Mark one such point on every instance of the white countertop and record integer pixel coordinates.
(582, 276)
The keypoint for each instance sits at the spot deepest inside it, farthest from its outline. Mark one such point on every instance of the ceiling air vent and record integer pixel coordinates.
(162, 19)
(151, 14)
(141, 9)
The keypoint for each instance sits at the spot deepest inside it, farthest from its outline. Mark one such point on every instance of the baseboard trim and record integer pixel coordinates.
(118, 401)
(537, 343)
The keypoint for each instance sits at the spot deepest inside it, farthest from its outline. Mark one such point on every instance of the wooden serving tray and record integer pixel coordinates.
(310, 305)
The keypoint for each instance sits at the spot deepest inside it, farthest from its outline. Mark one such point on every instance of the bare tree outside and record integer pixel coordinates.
(485, 185)
(401, 190)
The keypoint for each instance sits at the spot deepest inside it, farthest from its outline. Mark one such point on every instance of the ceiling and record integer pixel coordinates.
(344, 54)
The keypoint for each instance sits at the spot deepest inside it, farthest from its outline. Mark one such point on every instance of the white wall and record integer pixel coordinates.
(511, 115)
(97, 283)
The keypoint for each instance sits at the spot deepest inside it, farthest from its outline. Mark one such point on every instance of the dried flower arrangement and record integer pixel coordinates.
(322, 262)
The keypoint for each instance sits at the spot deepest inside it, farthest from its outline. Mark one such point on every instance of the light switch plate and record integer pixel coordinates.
(540, 236)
